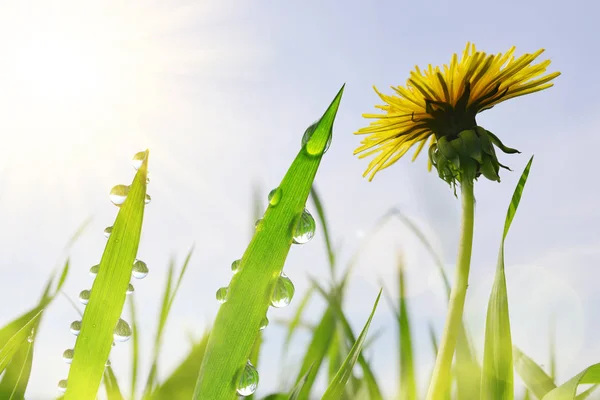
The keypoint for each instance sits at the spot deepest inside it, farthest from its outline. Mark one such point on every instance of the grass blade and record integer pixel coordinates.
(238, 320)
(337, 386)
(534, 377)
(497, 377)
(107, 297)
(112, 386)
(297, 319)
(135, 346)
(323, 223)
(295, 393)
(568, 390)
(15, 339)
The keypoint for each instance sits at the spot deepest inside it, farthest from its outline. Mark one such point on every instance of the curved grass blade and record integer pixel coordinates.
(112, 386)
(238, 320)
(534, 377)
(180, 384)
(337, 386)
(568, 390)
(497, 377)
(18, 337)
(107, 297)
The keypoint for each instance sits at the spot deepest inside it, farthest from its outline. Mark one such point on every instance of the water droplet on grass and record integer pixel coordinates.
(139, 270)
(138, 159)
(312, 147)
(68, 356)
(283, 292)
(118, 194)
(122, 331)
(62, 385)
(257, 223)
(235, 266)
(274, 196)
(107, 363)
(130, 289)
(248, 380)
(147, 199)
(107, 231)
(84, 296)
(222, 294)
(305, 228)
(263, 323)
(75, 327)
(94, 270)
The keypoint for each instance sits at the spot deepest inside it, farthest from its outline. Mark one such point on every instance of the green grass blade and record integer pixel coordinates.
(369, 377)
(568, 390)
(337, 386)
(497, 377)
(16, 376)
(466, 368)
(323, 223)
(107, 297)
(180, 384)
(135, 346)
(295, 393)
(534, 377)
(112, 386)
(408, 383)
(297, 319)
(238, 320)
(16, 333)
(552, 347)
(316, 352)
(587, 393)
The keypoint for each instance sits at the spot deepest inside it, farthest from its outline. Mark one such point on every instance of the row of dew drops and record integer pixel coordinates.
(284, 288)
(122, 331)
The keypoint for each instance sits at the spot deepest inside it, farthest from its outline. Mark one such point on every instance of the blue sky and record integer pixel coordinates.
(221, 93)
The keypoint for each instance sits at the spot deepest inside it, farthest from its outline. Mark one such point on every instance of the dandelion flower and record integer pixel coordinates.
(440, 105)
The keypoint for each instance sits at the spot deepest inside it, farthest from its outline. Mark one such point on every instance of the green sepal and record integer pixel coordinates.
(472, 144)
(500, 145)
(486, 143)
(488, 169)
(448, 151)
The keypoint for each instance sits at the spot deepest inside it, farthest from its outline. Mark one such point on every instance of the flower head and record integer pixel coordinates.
(440, 105)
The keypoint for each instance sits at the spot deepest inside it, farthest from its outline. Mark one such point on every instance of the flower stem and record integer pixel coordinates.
(440, 381)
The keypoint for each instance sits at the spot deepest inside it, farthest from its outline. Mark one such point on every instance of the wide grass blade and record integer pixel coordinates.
(180, 384)
(337, 386)
(497, 377)
(534, 377)
(568, 390)
(112, 386)
(238, 320)
(107, 297)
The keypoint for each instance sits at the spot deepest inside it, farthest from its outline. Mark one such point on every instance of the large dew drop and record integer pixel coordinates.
(68, 356)
(274, 196)
(222, 294)
(84, 296)
(138, 159)
(94, 270)
(312, 146)
(283, 292)
(248, 380)
(75, 327)
(235, 266)
(305, 228)
(140, 269)
(107, 231)
(62, 385)
(122, 331)
(118, 194)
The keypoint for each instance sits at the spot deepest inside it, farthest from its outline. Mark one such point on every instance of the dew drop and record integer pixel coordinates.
(283, 292)
(147, 199)
(84, 296)
(130, 289)
(235, 266)
(222, 294)
(312, 146)
(94, 270)
(107, 363)
(138, 159)
(118, 194)
(257, 223)
(274, 196)
(264, 323)
(248, 380)
(305, 228)
(122, 331)
(62, 385)
(68, 356)
(140, 269)
(75, 327)
(30, 338)
(107, 231)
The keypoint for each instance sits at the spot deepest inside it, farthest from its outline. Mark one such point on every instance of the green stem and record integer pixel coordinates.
(440, 381)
